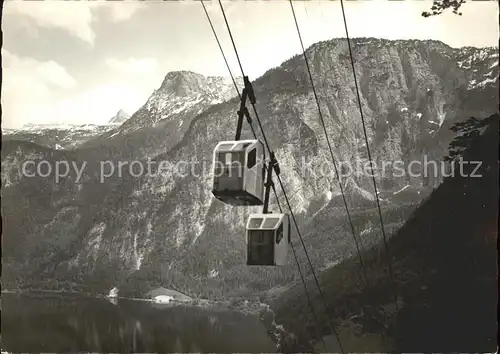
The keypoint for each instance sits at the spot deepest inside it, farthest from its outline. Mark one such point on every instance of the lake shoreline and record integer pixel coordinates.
(196, 302)
(134, 323)
(241, 305)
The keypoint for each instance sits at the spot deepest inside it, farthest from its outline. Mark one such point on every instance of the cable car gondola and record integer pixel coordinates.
(268, 236)
(238, 172)
(238, 165)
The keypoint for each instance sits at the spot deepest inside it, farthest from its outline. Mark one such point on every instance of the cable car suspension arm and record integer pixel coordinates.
(272, 165)
(243, 111)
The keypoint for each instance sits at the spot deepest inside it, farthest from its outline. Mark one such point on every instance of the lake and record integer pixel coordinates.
(55, 323)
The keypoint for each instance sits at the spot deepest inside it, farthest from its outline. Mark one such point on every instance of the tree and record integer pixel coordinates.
(438, 6)
(469, 130)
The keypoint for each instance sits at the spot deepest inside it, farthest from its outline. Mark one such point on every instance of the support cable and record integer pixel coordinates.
(361, 262)
(309, 301)
(276, 166)
(302, 278)
(220, 47)
(388, 256)
(252, 101)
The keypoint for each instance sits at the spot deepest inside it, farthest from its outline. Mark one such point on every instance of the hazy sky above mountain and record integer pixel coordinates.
(79, 62)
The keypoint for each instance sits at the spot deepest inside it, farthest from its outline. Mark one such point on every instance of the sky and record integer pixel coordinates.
(78, 62)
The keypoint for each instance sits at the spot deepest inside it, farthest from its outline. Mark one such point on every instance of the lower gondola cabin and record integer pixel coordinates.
(268, 238)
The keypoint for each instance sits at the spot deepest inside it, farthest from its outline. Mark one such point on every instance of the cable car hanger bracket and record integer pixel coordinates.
(248, 93)
(243, 111)
(272, 165)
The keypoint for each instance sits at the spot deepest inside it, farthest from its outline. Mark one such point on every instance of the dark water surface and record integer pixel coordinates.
(74, 324)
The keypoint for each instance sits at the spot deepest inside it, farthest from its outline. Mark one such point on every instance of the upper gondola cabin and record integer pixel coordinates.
(238, 168)
(268, 237)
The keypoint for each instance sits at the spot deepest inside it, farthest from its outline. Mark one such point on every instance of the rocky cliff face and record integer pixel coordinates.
(181, 92)
(166, 228)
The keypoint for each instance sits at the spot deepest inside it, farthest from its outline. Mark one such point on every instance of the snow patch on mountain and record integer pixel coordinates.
(95, 238)
(402, 189)
(58, 136)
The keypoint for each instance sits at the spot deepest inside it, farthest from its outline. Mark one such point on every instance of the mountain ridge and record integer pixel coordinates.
(167, 229)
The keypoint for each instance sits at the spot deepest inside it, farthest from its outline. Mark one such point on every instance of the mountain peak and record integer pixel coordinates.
(183, 83)
(181, 73)
(119, 117)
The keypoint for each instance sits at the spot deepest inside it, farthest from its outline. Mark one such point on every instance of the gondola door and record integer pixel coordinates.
(260, 247)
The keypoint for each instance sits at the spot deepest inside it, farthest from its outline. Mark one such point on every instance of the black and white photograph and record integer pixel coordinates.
(249, 176)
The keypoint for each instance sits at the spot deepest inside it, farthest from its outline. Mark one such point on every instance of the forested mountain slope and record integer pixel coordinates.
(445, 270)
